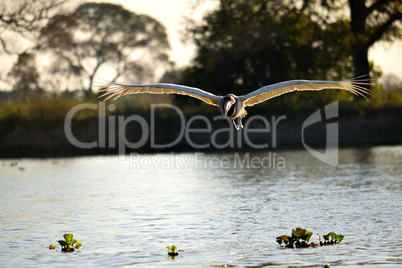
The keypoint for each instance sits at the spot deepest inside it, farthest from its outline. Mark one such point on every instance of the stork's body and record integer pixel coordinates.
(233, 106)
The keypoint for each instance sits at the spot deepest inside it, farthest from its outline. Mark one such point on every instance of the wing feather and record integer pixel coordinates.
(268, 92)
(115, 91)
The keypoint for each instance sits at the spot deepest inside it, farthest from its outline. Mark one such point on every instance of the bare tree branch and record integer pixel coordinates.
(25, 18)
(383, 28)
(378, 5)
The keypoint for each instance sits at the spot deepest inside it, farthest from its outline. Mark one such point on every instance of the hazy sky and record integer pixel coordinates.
(171, 12)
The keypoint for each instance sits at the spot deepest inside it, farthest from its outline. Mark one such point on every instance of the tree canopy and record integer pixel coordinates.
(241, 45)
(100, 35)
(368, 22)
(24, 19)
(244, 45)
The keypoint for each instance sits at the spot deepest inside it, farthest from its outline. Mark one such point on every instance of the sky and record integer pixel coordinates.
(171, 14)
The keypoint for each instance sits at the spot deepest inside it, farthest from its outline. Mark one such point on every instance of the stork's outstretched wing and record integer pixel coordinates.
(267, 92)
(115, 90)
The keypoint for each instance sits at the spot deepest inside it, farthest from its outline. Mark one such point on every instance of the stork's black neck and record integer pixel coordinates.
(231, 110)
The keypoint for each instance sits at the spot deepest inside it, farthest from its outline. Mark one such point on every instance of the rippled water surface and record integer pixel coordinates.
(221, 209)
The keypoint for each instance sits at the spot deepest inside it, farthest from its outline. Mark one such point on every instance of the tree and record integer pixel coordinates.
(23, 18)
(26, 75)
(369, 22)
(245, 44)
(101, 35)
(20, 24)
(392, 82)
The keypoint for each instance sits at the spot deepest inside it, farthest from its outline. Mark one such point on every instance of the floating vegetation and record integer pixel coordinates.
(78, 245)
(300, 239)
(69, 244)
(14, 164)
(172, 250)
(335, 239)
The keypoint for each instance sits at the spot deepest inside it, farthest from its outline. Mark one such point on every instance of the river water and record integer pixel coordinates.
(221, 209)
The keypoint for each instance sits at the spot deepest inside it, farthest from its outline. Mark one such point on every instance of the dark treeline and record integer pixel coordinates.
(92, 135)
(241, 45)
(59, 52)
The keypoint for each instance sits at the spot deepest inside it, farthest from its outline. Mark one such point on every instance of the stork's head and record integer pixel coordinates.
(227, 105)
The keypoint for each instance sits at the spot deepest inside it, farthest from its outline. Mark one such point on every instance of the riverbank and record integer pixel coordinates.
(168, 132)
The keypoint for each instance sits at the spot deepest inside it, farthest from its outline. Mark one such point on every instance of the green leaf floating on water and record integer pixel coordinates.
(298, 232)
(63, 243)
(302, 234)
(68, 237)
(306, 236)
(339, 237)
(172, 249)
(333, 235)
(78, 245)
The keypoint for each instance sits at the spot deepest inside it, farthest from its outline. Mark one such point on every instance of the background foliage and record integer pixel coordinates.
(240, 46)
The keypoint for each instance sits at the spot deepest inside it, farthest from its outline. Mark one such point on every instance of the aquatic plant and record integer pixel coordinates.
(335, 238)
(172, 250)
(69, 244)
(78, 245)
(300, 239)
(14, 164)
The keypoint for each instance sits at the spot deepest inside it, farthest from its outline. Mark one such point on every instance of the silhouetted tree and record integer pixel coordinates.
(245, 44)
(100, 35)
(25, 75)
(23, 19)
(392, 82)
(20, 24)
(369, 22)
